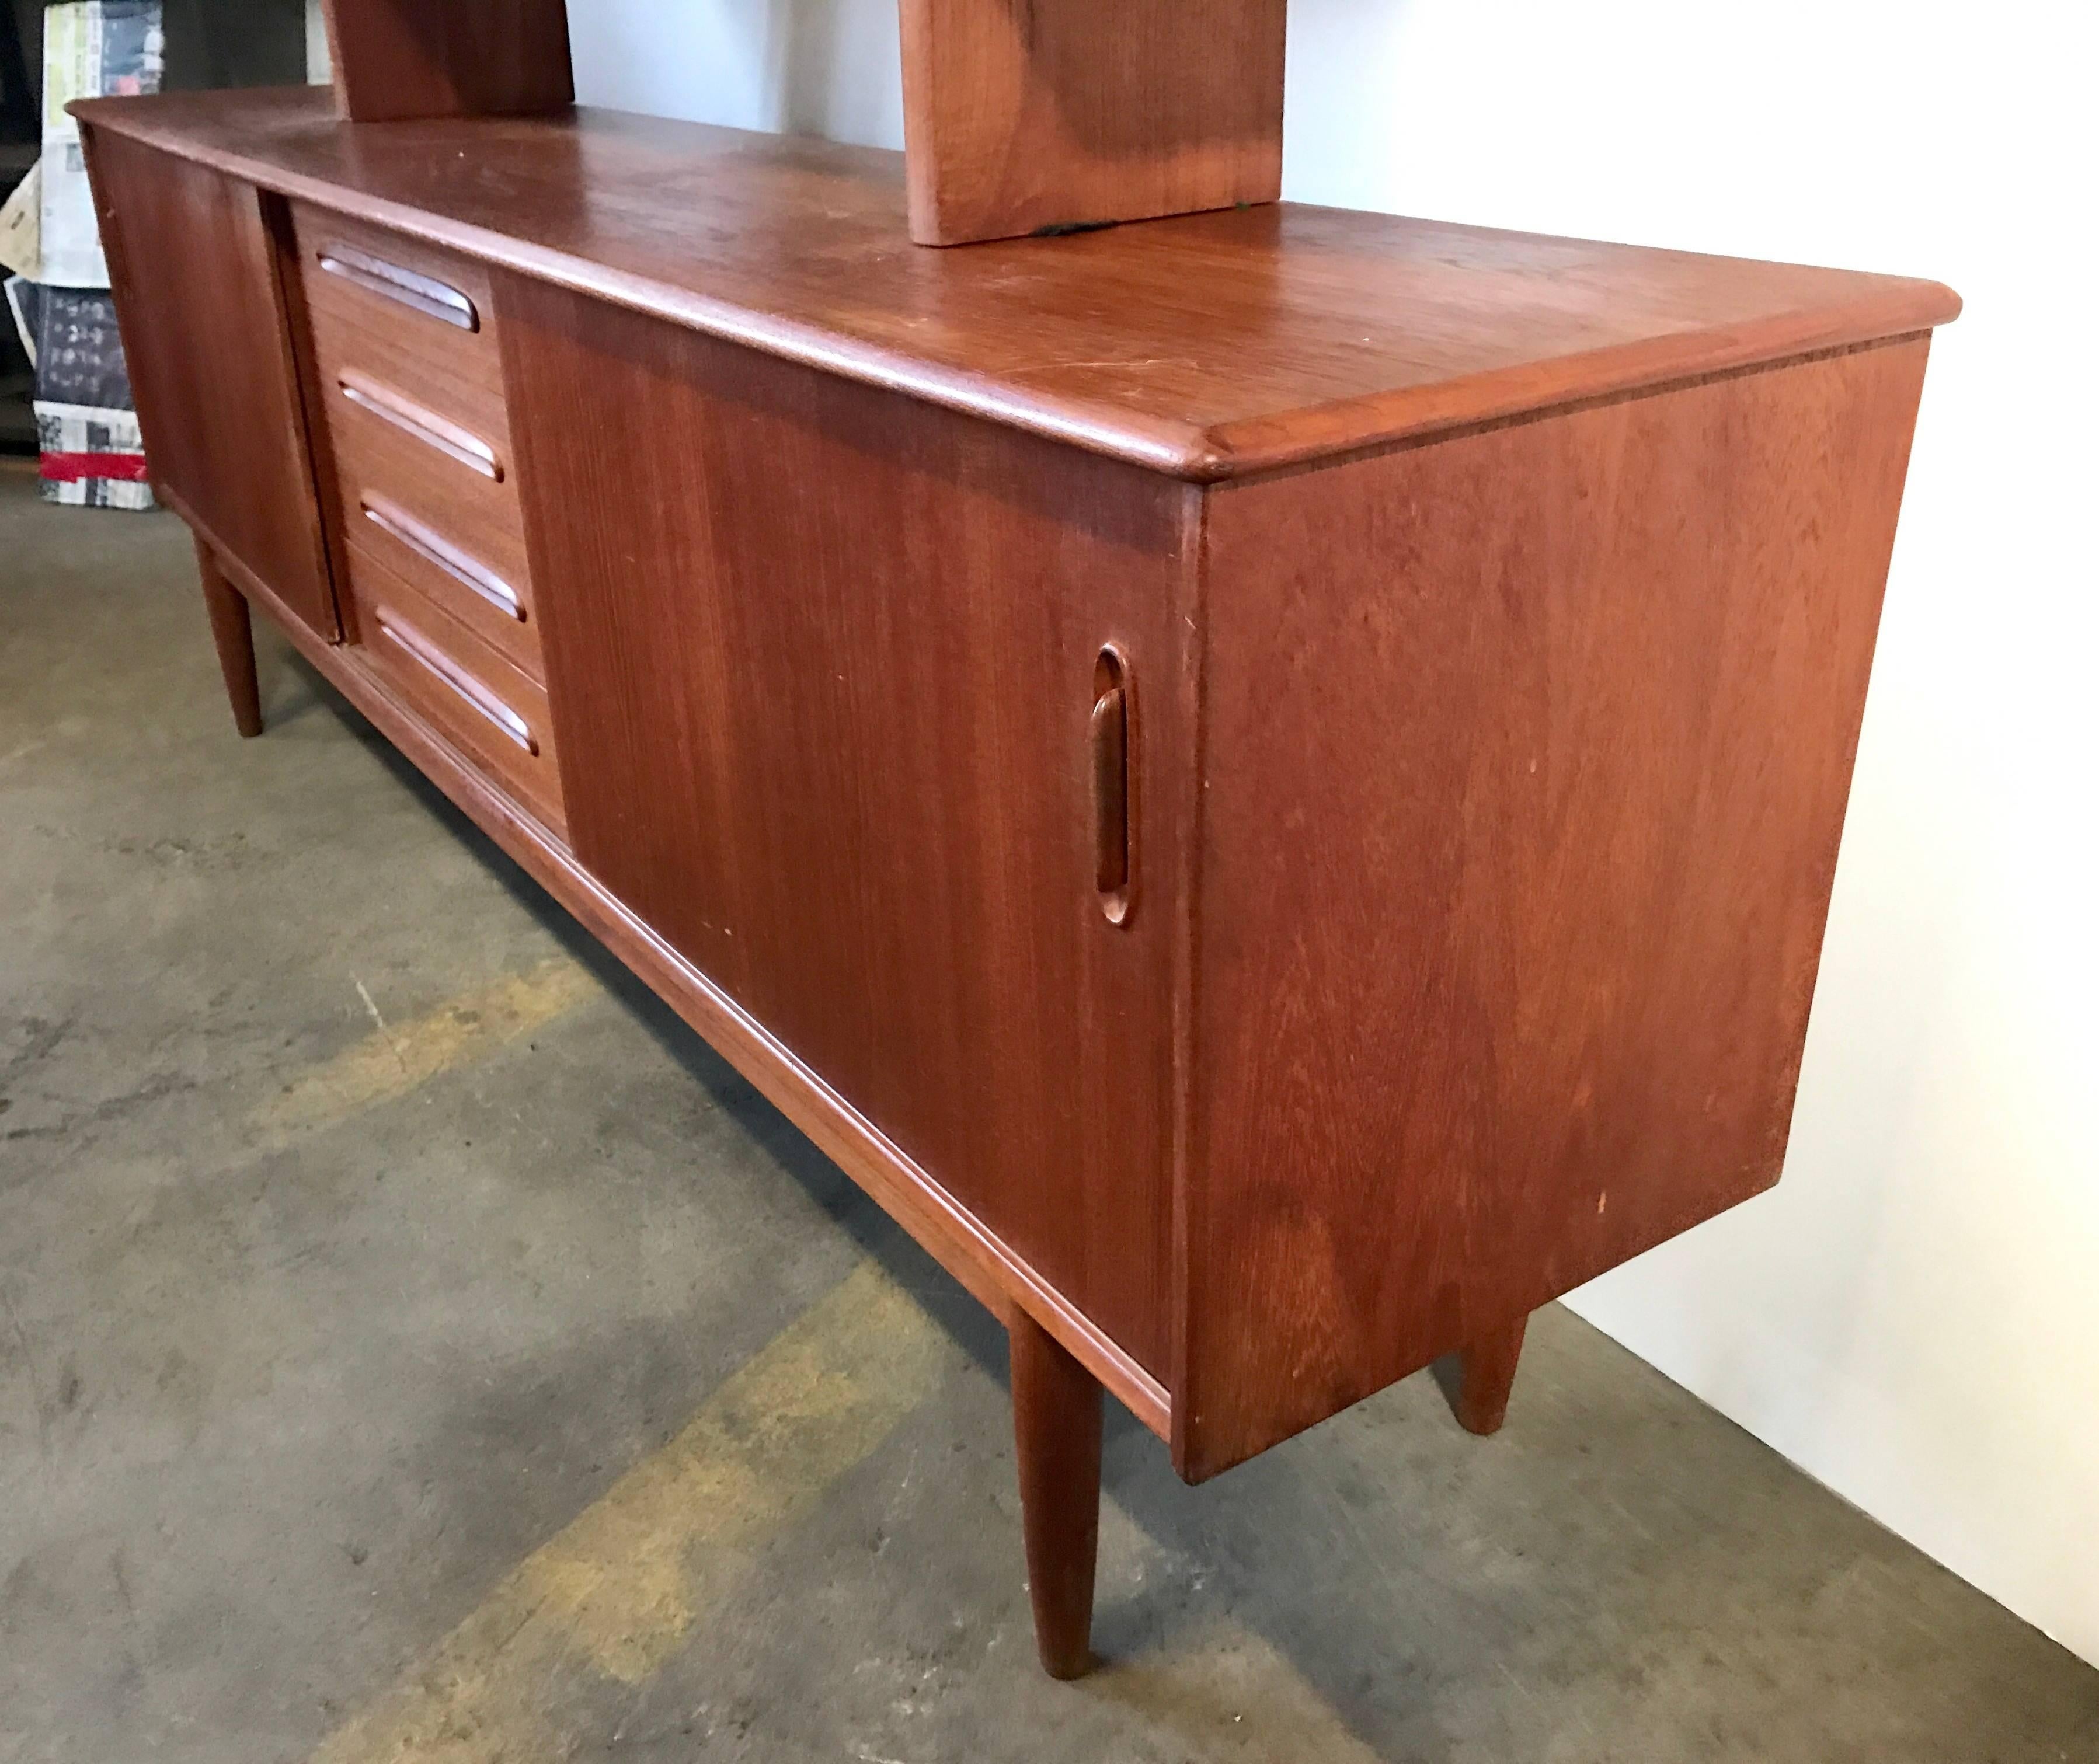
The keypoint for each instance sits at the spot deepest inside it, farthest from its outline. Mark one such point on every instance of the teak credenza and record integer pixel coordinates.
(1267, 781)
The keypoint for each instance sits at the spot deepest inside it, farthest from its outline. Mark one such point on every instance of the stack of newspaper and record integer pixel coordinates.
(87, 429)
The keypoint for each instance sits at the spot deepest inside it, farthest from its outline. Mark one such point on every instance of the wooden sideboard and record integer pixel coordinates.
(1267, 781)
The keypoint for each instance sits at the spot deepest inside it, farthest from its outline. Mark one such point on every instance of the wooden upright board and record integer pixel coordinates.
(399, 58)
(1026, 116)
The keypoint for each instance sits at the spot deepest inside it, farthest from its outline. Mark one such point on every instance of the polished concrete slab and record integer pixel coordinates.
(415, 1345)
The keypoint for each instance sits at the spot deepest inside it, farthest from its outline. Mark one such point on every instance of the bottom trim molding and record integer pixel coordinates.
(946, 1229)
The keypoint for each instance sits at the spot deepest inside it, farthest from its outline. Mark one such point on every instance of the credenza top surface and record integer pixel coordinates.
(1209, 347)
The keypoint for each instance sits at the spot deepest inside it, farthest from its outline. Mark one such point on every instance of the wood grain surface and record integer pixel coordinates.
(1057, 1451)
(1270, 926)
(1488, 1377)
(403, 505)
(984, 1264)
(490, 709)
(823, 661)
(1020, 115)
(1525, 765)
(1210, 346)
(195, 265)
(233, 637)
(401, 58)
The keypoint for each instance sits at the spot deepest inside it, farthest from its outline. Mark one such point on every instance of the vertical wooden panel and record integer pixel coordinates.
(398, 58)
(1020, 115)
(823, 660)
(1527, 756)
(196, 263)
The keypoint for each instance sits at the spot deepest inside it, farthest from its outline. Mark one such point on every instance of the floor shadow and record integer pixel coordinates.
(1449, 1374)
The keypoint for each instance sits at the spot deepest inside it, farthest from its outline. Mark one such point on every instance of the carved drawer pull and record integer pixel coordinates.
(426, 654)
(389, 281)
(433, 430)
(435, 549)
(1108, 733)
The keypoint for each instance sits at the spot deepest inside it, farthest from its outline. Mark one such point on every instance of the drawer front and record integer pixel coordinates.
(453, 475)
(494, 712)
(428, 309)
(403, 531)
(408, 375)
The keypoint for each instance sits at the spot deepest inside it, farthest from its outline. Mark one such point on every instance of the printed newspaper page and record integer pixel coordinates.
(92, 49)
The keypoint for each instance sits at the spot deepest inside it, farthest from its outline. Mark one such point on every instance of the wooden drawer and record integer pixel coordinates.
(495, 712)
(426, 314)
(409, 378)
(400, 532)
(454, 476)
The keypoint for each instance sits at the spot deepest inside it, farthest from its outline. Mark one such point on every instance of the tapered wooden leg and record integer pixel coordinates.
(1057, 1439)
(1488, 1370)
(232, 631)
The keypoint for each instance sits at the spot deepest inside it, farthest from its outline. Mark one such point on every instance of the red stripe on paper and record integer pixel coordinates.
(71, 468)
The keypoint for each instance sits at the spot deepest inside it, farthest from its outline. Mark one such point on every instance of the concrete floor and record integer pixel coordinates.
(415, 1345)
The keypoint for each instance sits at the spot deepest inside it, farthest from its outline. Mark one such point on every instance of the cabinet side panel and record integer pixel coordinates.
(1527, 756)
(823, 661)
(196, 270)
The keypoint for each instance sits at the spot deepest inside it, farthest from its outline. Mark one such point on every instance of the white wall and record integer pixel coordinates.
(811, 67)
(318, 65)
(1914, 1315)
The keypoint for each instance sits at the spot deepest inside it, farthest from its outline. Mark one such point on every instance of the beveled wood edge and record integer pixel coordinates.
(1895, 306)
(995, 1276)
(1525, 412)
(1328, 433)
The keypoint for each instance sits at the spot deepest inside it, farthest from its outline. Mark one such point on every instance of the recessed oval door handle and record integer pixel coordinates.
(408, 288)
(1108, 734)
